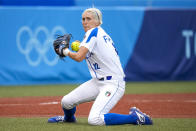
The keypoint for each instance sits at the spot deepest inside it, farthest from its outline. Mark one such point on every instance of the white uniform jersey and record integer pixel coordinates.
(102, 58)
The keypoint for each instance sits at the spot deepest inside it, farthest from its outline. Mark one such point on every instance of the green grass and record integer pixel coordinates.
(131, 88)
(40, 124)
(161, 87)
(35, 90)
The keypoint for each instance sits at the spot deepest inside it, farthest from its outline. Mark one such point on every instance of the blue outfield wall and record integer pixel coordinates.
(165, 48)
(152, 44)
(27, 34)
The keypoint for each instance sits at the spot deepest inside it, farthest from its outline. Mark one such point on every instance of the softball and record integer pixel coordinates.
(75, 45)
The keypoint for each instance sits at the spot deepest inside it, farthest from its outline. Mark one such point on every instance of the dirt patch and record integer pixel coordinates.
(156, 105)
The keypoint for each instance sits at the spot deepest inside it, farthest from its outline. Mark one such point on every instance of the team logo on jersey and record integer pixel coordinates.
(107, 93)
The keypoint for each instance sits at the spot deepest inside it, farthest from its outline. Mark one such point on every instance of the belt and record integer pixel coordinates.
(107, 78)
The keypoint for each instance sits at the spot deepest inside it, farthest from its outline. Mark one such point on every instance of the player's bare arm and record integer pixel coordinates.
(80, 55)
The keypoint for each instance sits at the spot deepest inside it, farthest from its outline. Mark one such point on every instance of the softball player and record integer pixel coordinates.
(107, 85)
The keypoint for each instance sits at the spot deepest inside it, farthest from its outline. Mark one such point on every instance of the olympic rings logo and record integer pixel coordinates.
(33, 43)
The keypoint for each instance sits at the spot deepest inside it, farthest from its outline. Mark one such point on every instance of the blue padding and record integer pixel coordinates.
(30, 32)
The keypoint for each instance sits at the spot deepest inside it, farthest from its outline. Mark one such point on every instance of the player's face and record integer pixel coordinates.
(88, 21)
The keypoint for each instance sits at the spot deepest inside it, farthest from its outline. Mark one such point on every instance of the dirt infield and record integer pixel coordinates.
(157, 105)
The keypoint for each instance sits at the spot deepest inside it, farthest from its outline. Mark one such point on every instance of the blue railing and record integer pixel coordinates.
(143, 3)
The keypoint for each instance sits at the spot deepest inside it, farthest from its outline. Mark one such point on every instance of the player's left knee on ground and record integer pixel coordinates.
(96, 120)
(66, 103)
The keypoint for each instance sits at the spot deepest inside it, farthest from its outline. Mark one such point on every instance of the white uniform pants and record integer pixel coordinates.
(105, 93)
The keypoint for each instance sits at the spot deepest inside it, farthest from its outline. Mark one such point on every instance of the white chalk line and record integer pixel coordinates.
(44, 103)
(132, 101)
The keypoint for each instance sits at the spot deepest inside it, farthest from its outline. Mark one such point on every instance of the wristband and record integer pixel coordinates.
(66, 51)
